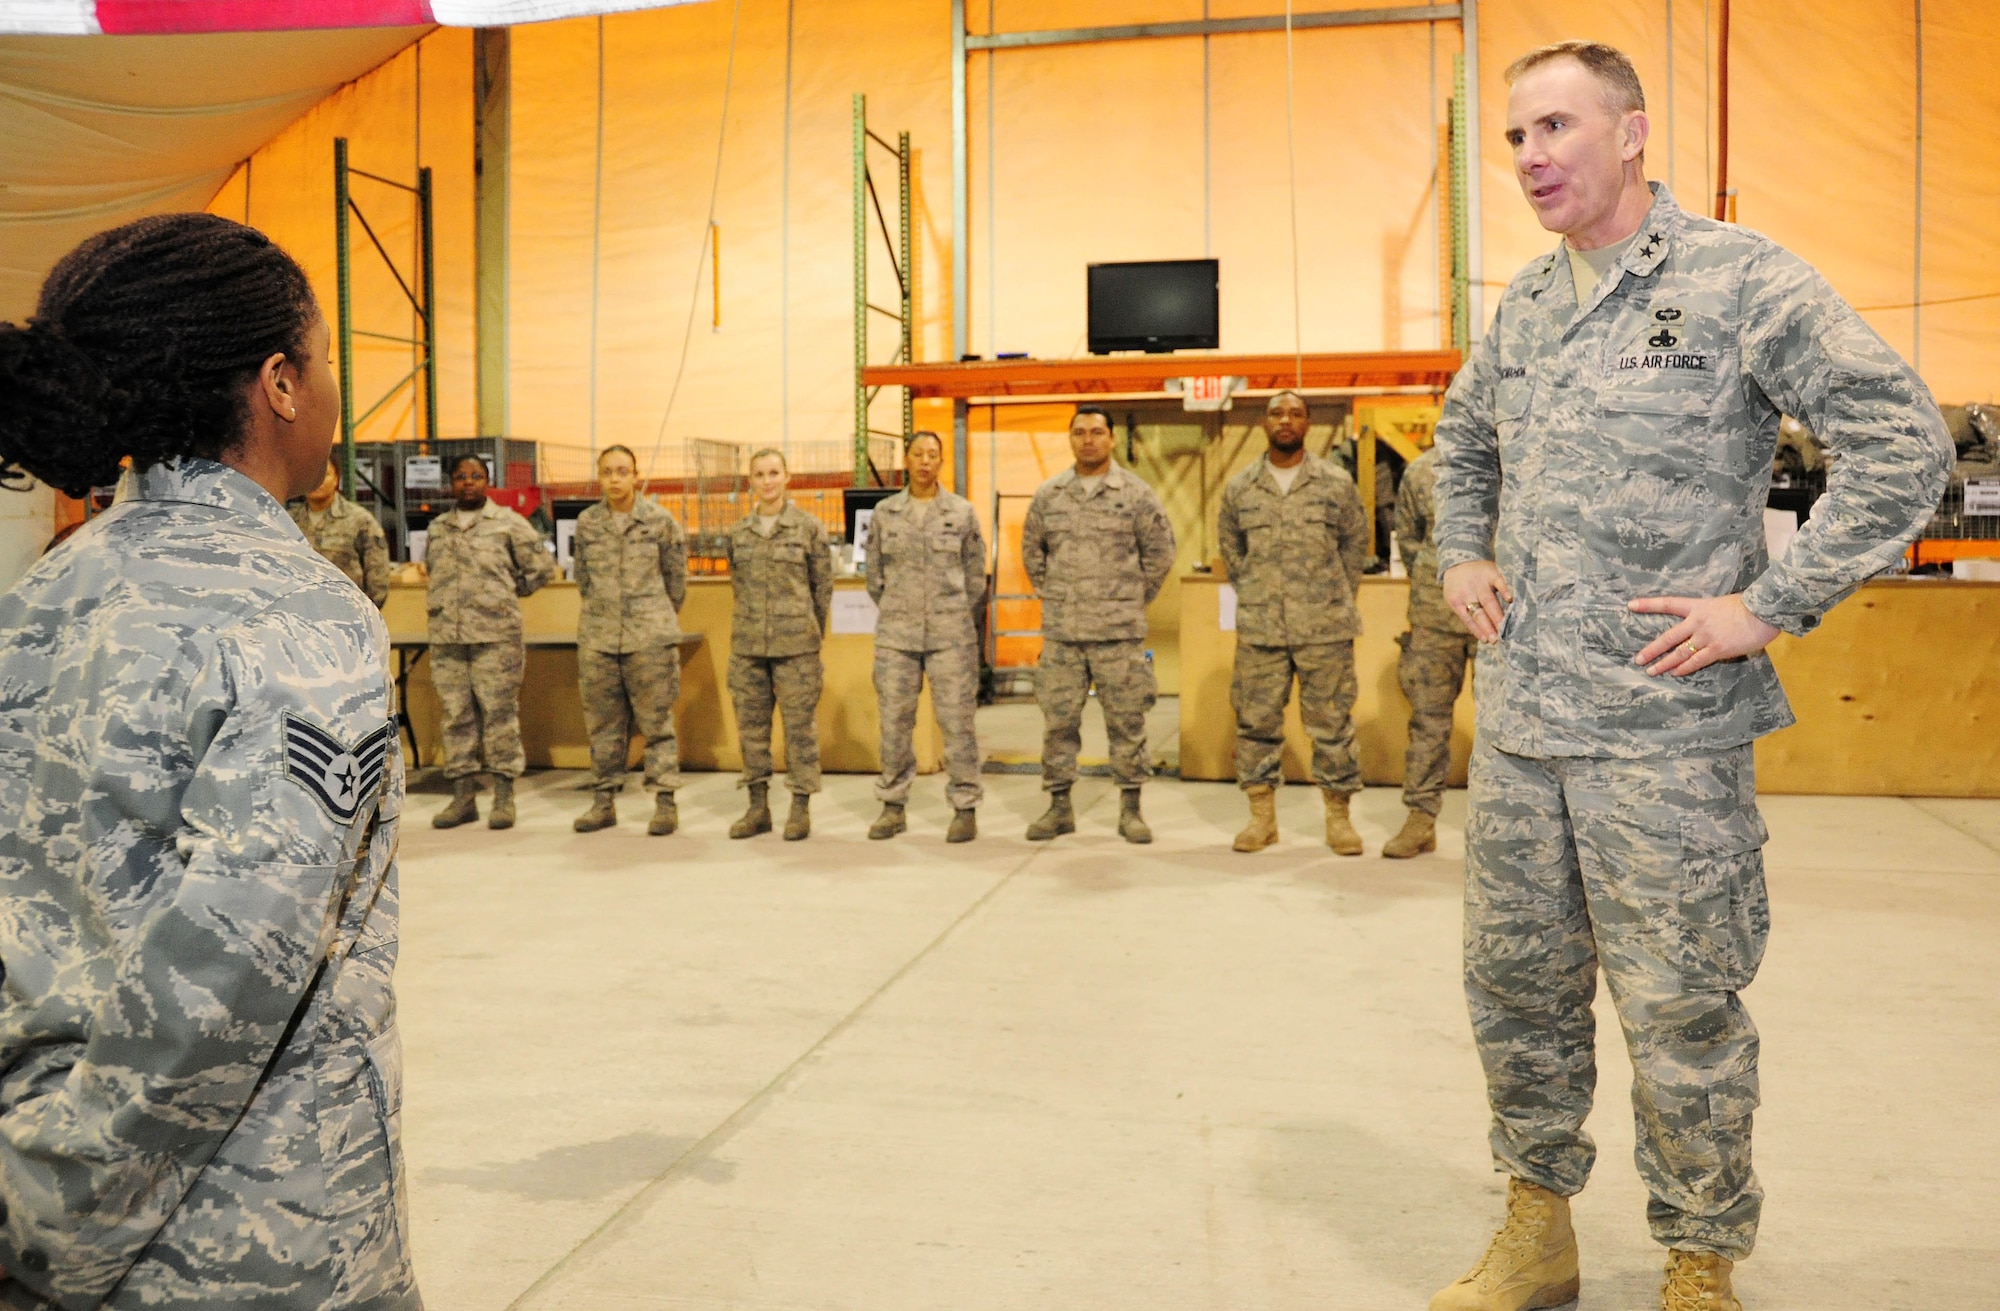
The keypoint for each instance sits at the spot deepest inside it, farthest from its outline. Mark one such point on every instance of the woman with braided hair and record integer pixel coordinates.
(199, 788)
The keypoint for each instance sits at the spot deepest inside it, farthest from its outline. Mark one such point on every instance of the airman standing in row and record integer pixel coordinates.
(631, 578)
(926, 569)
(346, 534)
(1098, 547)
(783, 583)
(482, 558)
(1432, 667)
(1295, 540)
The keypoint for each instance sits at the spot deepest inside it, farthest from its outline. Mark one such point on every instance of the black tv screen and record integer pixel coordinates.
(1155, 305)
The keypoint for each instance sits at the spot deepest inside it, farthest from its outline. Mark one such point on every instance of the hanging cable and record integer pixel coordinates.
(1292, 175)
(596, 238)
(707, 232)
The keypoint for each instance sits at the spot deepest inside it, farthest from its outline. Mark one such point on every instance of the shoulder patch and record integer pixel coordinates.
(339, 777)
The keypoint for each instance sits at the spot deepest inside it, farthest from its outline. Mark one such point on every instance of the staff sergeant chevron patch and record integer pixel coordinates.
(339, 778)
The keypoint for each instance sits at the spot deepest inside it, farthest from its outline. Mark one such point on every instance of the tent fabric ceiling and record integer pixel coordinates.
(128, 17)
(98, 131)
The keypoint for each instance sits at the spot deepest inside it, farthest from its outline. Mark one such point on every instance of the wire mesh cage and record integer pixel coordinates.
(1970, 510)
(710, 492)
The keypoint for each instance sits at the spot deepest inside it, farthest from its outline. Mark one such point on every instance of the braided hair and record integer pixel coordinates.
(142, 345)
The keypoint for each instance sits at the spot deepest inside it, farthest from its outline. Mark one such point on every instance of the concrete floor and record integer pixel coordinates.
(687, 1072)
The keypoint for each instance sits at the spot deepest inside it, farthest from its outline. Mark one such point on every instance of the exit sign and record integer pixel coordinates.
(1206, 393)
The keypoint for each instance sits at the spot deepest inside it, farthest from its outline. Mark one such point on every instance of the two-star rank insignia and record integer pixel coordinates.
(339, 777)
(1653, 240)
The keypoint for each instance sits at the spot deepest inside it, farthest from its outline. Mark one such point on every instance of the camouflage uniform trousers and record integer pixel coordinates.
(954, 675)
(760, 686)
(1258, 691)
(1432, 671)
(618, 690)
(1655, 870)
(479, 686)
(1125, 692)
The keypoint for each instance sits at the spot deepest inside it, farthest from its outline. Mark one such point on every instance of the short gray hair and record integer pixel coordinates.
(1608, 64)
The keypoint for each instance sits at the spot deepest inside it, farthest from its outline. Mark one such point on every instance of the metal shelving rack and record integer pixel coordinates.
(900, 257)
(422, 298)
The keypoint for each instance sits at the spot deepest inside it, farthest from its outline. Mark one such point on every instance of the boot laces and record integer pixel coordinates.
(1694, 1284)
(1518, 1241)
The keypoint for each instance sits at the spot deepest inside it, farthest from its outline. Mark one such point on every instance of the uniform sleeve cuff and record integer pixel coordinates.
(1449, 556)
(1764, 600)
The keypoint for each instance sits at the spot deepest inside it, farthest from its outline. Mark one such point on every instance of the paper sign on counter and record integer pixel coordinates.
(854, 611)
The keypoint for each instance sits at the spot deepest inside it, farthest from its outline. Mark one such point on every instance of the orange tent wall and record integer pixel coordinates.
(286, 189)
(1823, 129)
(1087, 153)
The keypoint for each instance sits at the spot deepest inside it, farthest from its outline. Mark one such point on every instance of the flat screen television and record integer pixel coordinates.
(1155, 305)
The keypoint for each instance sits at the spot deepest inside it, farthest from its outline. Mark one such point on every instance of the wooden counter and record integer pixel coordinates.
(552, 729)
(1381, 715)
(1897, 693)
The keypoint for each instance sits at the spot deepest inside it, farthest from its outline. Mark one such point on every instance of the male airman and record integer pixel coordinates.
(1098, 547)
(346, 534)
(1432, 666)
(1295, 540)
(1604, 461)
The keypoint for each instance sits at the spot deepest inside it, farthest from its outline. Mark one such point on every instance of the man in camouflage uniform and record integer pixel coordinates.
(1432, 666)
(200, 1075)
(781, 574)
(1097, 546)
(482, 559)
(1295, 539)
(631, 574)
(1604, 459)
(346, 534)
(926, 569)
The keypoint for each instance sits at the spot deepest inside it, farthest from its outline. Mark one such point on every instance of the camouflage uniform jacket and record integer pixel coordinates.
(1416, 521)
(1622, 449)
(353, 539)
(199, 792)
(927, 573)
(783, 586)
(632, 580)
(1295, 558)
(479, 573)
(1096, 558)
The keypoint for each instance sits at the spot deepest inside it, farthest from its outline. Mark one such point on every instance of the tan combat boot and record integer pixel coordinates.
(799, 824)
(964, 826)
(1698, 1281)
(1262, 830)
(1530, 1264)
(603, 813)
(1420, 834)
(502, 813)
(1057, 820)
(666, 815)
(1132, 825)
(757, 817)
(1340, 834)
(890, 822)
(464, 807)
